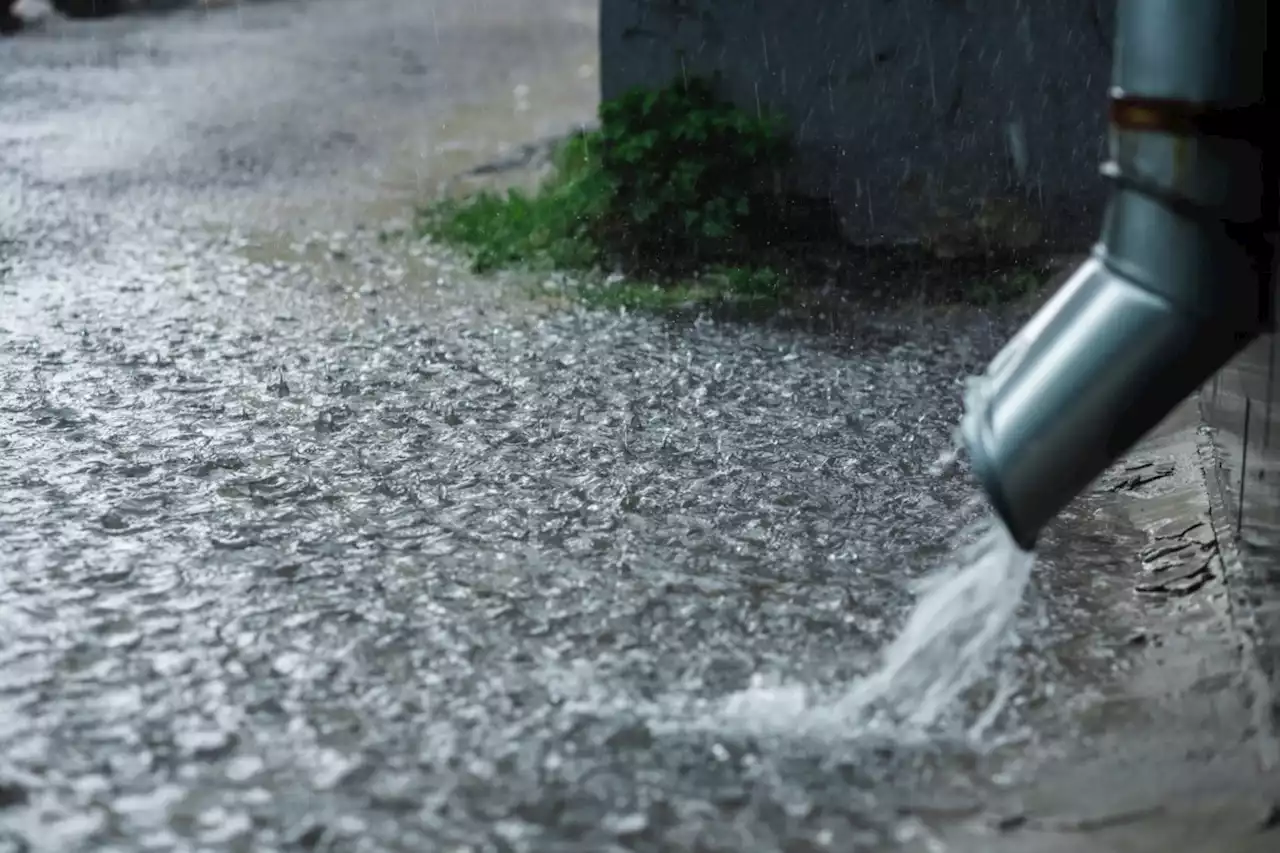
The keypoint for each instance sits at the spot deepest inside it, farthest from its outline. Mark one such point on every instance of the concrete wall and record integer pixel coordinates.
(1242, 406)
(952, 121)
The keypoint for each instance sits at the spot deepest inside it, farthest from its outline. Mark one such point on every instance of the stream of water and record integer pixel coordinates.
(962, 618)
(963, 615)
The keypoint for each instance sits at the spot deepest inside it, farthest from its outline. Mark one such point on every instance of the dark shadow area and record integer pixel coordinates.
(836, 288)
(91, 9)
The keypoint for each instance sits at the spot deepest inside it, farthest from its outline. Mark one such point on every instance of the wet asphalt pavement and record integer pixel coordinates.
(310, 541)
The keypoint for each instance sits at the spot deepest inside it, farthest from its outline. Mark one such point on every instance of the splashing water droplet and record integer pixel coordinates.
(951, 637)
(947, 645)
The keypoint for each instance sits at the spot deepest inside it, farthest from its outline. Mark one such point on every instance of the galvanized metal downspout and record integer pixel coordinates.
(1179, 281)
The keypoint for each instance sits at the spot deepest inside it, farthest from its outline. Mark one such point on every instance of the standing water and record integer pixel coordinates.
(962, 617)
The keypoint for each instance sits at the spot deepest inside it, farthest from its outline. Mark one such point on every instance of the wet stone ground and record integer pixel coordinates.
(328, 546)
(286, 562)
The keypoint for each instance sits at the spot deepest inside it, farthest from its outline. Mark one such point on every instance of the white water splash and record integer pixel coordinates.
(963, 617)
(952, 636)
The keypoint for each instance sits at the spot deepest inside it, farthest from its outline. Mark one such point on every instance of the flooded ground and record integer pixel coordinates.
(310, 540)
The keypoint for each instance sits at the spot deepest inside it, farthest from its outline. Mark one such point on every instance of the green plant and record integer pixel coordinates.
(1006, 286)
(551, 228)
(666, 184)
(717, 285)
(683, 169)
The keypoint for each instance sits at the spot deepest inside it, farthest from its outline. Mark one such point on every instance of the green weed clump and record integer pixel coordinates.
(749, 285)
(684, 171)
(664, 188)
(551, 228)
